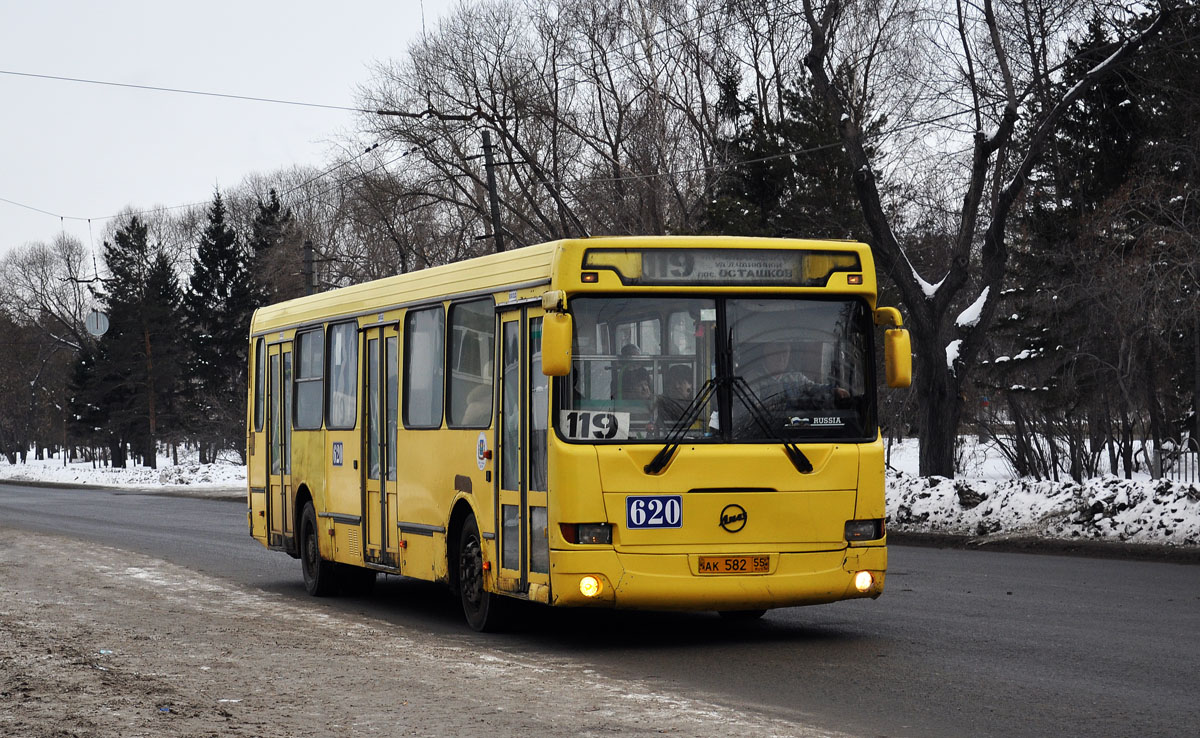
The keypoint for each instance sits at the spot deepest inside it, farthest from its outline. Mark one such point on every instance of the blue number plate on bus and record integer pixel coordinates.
(654, 511)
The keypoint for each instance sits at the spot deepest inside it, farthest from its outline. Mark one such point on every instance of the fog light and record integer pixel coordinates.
(589, 586)
(863, 581)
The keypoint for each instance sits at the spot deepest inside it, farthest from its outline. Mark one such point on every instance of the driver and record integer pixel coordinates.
(779, 386)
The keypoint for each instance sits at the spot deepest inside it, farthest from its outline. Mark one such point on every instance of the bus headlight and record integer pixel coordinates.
(863, 581)
(590, 586)
(593, 533)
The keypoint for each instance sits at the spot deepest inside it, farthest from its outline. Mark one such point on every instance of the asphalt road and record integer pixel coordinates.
(962, 642)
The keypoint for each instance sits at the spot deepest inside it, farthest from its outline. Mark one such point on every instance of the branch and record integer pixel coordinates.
(995, 250)
(985, 145)
(885, 245)
(1049, 124)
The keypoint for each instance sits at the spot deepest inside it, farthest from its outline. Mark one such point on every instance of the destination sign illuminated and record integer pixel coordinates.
(793, 268)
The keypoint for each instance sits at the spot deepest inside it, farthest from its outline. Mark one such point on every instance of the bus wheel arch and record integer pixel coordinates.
(303, 497)
(462, 510)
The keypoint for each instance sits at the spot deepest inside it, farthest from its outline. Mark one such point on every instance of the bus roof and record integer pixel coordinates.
(521, 268)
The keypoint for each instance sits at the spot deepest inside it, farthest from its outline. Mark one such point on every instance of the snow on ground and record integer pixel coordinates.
(986, 501)
(226, 477)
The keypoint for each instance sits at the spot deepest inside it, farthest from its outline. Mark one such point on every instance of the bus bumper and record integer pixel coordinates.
(672, 582)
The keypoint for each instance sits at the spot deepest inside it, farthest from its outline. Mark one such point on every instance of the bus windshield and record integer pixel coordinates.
(725, 369)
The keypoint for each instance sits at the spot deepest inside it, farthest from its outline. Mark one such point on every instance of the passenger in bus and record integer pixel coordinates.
(636, 388)
(670, 406)
(636, 397)
(479, 406)
(628, 376)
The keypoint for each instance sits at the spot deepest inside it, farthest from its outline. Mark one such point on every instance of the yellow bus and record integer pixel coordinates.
(666, 423)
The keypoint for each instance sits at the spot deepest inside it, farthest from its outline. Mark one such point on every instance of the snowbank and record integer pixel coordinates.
(1107, 509)
(223, 476)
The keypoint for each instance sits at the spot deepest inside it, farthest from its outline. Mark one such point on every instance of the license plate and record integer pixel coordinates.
(735, 564)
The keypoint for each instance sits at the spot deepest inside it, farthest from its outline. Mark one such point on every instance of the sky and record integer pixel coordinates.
(86, 151)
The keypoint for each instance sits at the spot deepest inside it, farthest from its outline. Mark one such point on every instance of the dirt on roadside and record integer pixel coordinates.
(120, 644)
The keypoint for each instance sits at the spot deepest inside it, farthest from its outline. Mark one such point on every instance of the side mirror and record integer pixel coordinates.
(897, 357)
(556, 344)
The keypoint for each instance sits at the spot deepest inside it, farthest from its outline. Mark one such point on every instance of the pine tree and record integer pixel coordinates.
(134, 376)
(85, 421)
(274, 263)
(1081, 344)
(163, 316)
(787, 177)
(218, 305)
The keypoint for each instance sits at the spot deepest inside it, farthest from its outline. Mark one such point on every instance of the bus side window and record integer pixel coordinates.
(681, 334)
(424, 367)
(341, 409)
(310, 379)
(260, 385)
(472, 345)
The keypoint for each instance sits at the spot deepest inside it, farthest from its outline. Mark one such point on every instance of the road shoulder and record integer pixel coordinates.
(114, 643)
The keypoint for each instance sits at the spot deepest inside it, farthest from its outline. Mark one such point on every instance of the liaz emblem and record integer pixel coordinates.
(733, 518)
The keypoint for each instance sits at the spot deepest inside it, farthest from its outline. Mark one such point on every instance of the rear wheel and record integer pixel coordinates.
(484, 611)
(320, 576)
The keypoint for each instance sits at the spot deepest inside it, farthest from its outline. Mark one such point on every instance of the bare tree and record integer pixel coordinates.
(602, 114)
(47, 285)
(972, 85)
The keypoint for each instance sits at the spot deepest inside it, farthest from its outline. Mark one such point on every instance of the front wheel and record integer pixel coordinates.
(484, 611)
(320, 576)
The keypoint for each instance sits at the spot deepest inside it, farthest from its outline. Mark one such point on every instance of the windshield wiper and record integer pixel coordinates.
(743, 391)
(689, 416)
(746, 394)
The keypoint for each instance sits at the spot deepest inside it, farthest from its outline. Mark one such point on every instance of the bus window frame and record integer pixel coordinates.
(448, 367)
(260, 385)
(405, 374)
(354, 350)
(297, 381)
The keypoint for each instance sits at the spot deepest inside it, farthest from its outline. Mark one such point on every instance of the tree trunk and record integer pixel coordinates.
(1195, 424)
(1127, 444)
(1158, 430)
(1022, 454)
(939, 414)
(152, 454)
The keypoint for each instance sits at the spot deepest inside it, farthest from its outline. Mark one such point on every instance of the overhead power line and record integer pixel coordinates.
(30, 207)
(428, 113)
(182, 91)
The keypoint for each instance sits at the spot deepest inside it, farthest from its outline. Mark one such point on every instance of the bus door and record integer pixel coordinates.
(521, 504)
(280, 523)
(381, 415)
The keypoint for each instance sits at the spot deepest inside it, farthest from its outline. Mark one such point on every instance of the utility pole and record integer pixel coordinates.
(309, 281)
(490, 166)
